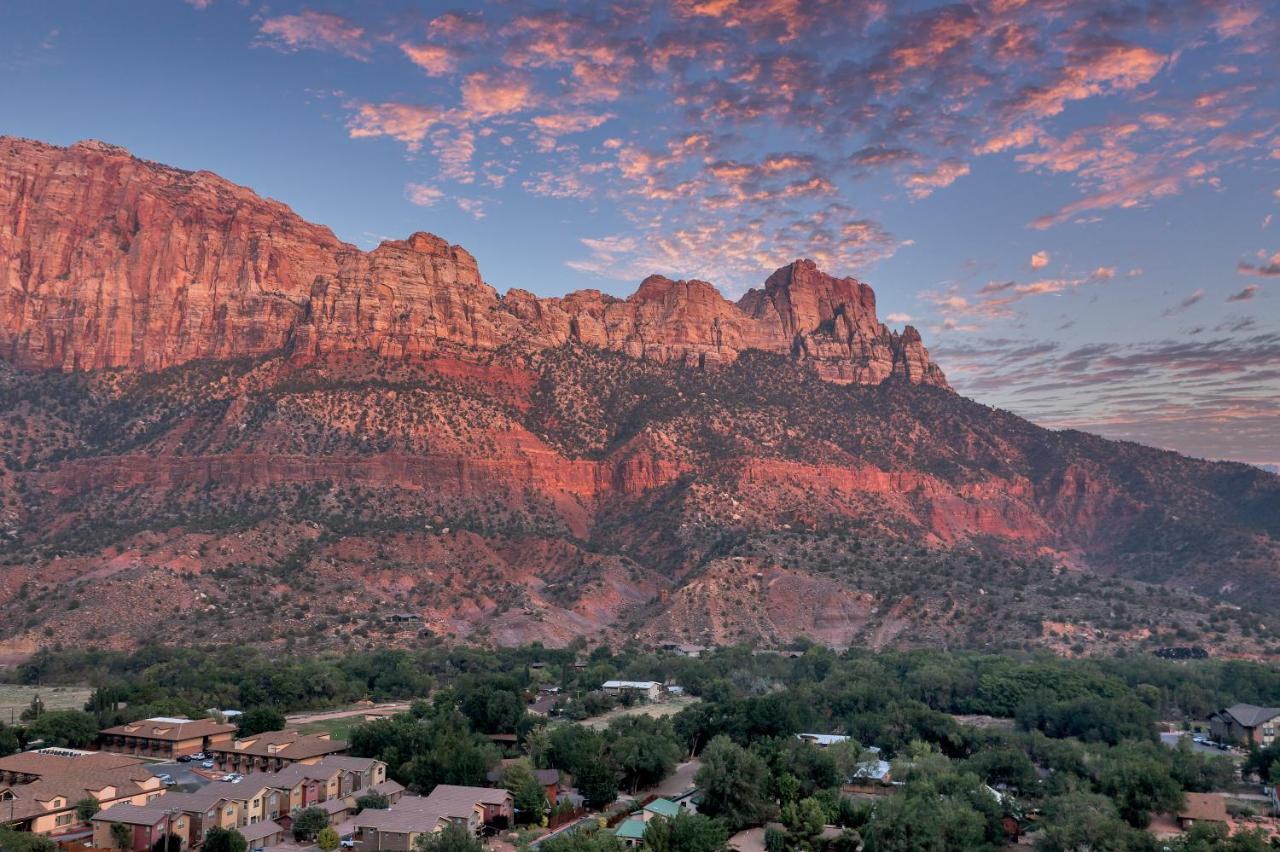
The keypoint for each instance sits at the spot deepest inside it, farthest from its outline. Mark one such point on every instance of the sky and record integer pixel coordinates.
(1077, 202)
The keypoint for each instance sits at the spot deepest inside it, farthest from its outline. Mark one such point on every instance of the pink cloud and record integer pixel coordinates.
(1040, 260)
(316, 31)
(563, 124)
(407, 123)
(1244, 295)
(487, 94)
(434, 59)
(422, 195)
(1091, 70)
(923, 183)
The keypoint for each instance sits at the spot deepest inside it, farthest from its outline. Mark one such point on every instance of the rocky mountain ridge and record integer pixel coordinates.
(109, 261)
(220, 423)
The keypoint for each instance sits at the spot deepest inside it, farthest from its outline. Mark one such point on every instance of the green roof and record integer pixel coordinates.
(663, 807)
(631, 829)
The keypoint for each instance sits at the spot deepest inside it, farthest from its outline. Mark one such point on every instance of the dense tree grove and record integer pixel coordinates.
(1076, 743)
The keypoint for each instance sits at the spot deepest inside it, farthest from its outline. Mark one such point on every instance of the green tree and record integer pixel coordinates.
(64, 728)
(224, 840)
(373, 801)
(598, 783)
(327, 839)
(1084, 821)
(8, 739)
(925, 822)
(686, 833)
(86, 808)
(804, 820)
(644, 749)
(121, 835)
(25, 841)
(308, 823)
(1137, 779)
(583, 840)
(734, 784)
(259, 720)
(530, 797)
(453, 838)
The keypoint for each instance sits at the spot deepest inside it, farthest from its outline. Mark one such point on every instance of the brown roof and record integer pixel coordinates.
(290, 745)
(350, 764)
(458, 802)
(43, 763)
(170, 729)
(259, 830)
(1209, 807)
(388, 787)
(412, 814)
(131, 814)
(1251, 715)
(31, 799)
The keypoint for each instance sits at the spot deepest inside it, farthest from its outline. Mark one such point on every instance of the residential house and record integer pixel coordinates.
(39, 791)
(146, 825)
(166, 737)
(203, 810)
(822, 740)
(272, 751)
(649, 689)
(359, 773)
(659, 808)
(263, 835)
(474, 807)
(1246, 723)
(549, 779)
(303, 785)
(1203, 808)
(393, 790)
(631, 831)
(397, 828)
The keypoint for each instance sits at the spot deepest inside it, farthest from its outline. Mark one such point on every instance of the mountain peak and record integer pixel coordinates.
(138, 265)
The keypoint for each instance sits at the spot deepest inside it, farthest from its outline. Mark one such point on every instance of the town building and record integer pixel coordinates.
(166, 737)
(39, 791)
(1203, 808)
(648, 689)
(272, 751)
(145, 824)
(1246, 723)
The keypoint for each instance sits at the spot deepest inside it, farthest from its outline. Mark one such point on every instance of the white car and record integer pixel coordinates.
(206, 764)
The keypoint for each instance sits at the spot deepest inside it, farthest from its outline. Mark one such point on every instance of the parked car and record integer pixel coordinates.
(206, 764)
(199, 756)
(165, 778)
(186, 758)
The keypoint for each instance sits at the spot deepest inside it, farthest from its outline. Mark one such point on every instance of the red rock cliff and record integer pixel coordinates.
(110, 261)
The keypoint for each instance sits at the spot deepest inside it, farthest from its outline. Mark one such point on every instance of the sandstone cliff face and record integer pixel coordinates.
(110, 261)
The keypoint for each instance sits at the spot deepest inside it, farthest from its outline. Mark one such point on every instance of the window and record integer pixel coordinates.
(64, 819)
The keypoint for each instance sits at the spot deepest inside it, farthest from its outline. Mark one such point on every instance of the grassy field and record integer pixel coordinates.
(337, 728)
(14, 699)
(666, 707)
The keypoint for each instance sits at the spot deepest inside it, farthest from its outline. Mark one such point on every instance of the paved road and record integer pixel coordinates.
(325, 715)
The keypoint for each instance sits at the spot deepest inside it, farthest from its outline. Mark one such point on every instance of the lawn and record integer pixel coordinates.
(667, 707)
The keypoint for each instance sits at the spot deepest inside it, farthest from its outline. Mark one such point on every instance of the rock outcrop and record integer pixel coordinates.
(110, 261)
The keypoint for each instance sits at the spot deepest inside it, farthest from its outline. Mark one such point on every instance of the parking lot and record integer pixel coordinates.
(183, 774)
(1171, 740)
